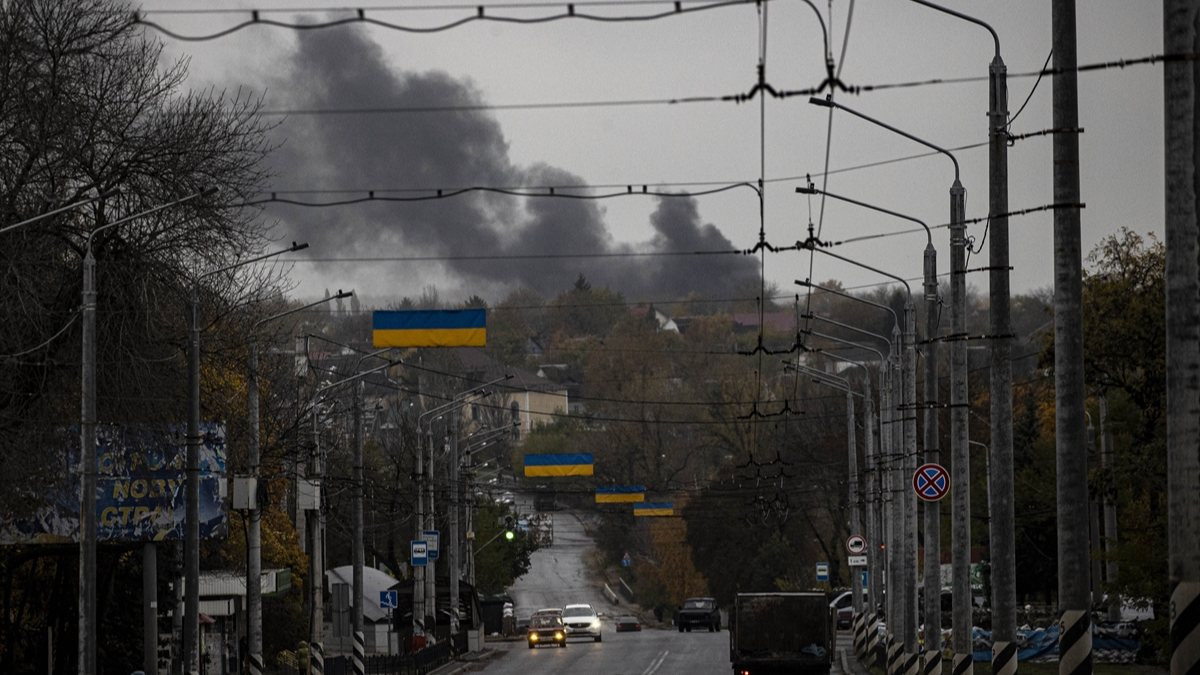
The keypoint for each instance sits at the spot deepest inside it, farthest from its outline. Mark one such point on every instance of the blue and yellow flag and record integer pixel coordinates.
(654, 509)
(620, 494)
(430, 328)
(578, 464)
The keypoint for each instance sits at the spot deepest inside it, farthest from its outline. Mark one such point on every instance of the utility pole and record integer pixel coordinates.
(150, 607)
(454, 570)
(912, 659)
(430, 524)
(897, 615)
(1001, 521)
(191, 543)
(254, 659)
(1183, 335)
(871, 492)
(1109, 506)
(356, 615)
(418, 610)
(1000, 393)
(933, 515)
(87, 467)
(1074, 598)
(316, 553)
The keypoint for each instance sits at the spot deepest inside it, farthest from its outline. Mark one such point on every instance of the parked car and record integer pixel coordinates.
(581, 621)
(627, 623)
(546, 629)
(843, 604)
(699, 613)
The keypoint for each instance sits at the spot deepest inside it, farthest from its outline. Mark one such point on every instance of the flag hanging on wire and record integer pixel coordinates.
(620, 494)
(575, 464)
(654, 509)
(429, 328)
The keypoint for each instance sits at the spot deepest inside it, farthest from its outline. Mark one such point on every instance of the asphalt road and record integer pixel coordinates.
(558, 576)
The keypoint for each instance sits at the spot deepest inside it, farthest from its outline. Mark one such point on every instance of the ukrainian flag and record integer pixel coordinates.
(654, 509)
(579, 464)
(430, 328)
(619, 494)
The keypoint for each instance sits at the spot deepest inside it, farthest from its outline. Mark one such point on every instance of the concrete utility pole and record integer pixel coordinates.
(150, 607)
(1000, 390)
(358, 557)
(1074, 578)
(1183, 334)
(453, 565)
(316, 549)
(87, 469)
(430, 524)
(254, 659)
(1109, 507)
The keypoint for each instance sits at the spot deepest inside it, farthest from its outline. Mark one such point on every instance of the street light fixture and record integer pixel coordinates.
(427, 598)
(62, 209)
(191, 545)
(1000, 523)
(932, 510)
(87, 440)
(255, 663)
(958, 376)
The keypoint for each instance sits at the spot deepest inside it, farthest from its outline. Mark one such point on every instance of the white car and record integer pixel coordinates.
(581, 621)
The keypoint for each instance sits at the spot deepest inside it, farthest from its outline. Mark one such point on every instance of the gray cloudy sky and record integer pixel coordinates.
(706, 53)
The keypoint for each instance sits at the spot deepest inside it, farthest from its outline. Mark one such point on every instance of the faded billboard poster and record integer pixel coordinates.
(140, 494)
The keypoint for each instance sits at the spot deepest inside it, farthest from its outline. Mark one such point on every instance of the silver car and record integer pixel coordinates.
(581, 621)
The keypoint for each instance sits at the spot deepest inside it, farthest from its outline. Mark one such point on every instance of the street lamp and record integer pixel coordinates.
(316, 559)
(191, 544)
(255, 663)
(1000, 523)
(958, 361)
(62, 209)
(428, 599)
(932, 510)
(906, 598)
(87, 440)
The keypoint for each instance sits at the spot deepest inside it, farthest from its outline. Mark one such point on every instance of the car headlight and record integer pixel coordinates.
(596, 623)
(558, 636)
(533, 637)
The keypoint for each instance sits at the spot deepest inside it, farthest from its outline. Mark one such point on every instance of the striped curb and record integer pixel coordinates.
(1074, 644)
(1185, 628)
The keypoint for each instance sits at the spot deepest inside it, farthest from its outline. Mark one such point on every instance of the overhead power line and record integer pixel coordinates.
(479, 13)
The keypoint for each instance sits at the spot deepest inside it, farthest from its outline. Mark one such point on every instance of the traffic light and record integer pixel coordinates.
(509, 523)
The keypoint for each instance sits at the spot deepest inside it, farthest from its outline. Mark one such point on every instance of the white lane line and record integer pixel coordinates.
(653, 667)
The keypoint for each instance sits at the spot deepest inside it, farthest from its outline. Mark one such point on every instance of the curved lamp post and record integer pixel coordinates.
(254, 660)
(958, 362)
(87, 442)
(932, 510)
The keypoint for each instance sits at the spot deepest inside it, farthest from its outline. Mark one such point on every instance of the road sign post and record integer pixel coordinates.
(931, 482)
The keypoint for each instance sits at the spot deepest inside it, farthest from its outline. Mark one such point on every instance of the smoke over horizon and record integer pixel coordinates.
(344, 69)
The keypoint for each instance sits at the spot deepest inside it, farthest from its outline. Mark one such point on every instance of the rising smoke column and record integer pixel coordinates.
(344, 69)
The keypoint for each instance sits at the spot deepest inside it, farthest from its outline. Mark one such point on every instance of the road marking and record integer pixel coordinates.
(653, 667)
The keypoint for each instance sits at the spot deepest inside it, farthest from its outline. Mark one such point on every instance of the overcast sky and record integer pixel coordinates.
(705, 53)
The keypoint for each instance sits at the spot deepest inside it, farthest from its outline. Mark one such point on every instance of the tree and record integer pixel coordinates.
(88, 106)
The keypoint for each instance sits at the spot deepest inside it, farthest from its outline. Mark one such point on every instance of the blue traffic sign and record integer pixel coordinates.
(433, 539)
(822, 571)
(389, 599)
(864, 579)
(418, 553)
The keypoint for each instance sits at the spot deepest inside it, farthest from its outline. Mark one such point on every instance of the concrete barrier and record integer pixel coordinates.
(612, 597)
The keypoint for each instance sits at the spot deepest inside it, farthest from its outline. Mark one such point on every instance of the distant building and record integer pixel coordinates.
(532, 401)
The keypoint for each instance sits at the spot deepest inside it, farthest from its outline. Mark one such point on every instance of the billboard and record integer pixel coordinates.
(140, 494)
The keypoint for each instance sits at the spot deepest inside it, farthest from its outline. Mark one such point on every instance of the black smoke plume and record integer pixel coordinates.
(344, 69)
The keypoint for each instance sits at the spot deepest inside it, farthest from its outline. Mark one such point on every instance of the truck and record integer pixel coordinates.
(781, 633)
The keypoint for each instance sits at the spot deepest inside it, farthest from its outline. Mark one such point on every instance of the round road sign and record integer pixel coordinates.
(931, 482)
(856, 544)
